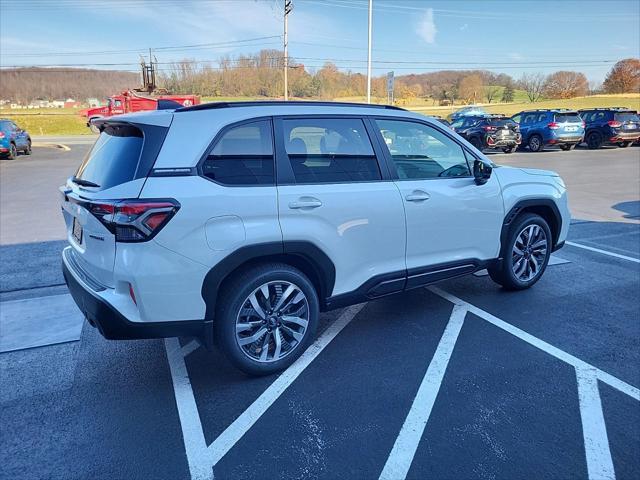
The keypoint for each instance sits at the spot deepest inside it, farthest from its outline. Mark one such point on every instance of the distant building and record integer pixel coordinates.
(56, 104)
(94, 102)
(71, 103)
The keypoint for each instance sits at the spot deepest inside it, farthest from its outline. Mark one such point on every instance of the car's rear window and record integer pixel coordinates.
(567, 118)
(499, 122)
(627, 117)
(114, 158)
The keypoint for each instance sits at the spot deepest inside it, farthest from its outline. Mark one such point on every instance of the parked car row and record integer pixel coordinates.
(537, 129)
(13, 140)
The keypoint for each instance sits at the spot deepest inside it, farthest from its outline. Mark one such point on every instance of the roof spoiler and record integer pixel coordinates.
(164, 104)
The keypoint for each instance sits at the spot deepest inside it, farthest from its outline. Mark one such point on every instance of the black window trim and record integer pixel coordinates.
(389, 160)
(283, 166)
(221, 133)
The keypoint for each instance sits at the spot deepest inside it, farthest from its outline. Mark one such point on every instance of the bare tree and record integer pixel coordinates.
(533, 84)
(470, 88)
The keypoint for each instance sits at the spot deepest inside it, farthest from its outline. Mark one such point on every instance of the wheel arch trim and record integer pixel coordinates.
(533, 205)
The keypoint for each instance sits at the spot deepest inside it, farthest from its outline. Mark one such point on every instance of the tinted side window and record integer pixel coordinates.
(420, 151)
(330, 150)
(242, 156)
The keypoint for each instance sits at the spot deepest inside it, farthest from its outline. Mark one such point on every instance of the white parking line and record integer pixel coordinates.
(192, 433)
(594, 430)
(201, 458)
(604, 252)
(404, 449)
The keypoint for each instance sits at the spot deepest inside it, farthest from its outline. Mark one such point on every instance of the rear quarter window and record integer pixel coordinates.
(114, 158)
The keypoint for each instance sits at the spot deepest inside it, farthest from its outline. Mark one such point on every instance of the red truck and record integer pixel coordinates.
(132, 101)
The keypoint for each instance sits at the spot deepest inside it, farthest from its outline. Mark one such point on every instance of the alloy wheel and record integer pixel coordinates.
(272, 321)
(529, 252)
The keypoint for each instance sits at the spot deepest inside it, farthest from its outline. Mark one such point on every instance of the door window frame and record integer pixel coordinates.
(389, 159)
(284, 170)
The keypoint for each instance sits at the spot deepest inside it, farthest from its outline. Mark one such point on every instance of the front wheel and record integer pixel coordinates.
(526, 253)
(267, 317)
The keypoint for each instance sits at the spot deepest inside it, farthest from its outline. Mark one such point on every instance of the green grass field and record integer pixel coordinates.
(69, 122)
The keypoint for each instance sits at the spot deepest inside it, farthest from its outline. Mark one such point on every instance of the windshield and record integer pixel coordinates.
(113, 160)
(567, 118)
(627, 117)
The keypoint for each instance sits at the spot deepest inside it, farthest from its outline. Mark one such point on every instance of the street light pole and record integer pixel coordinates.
(369, 55)
(288, 6)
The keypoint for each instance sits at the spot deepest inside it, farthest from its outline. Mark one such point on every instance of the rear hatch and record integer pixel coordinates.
(567, 125)
(629, 123)
(502, 128)
(115, 168)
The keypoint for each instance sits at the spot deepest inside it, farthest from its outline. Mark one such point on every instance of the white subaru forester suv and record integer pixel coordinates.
(237, 223)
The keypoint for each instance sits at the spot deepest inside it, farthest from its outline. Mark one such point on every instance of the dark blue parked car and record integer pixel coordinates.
(611, 126)
(560, 127)
(13, 140)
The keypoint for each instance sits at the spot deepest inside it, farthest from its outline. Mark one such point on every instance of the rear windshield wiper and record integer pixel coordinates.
(84, 183)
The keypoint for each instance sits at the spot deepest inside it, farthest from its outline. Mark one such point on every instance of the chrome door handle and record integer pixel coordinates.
(305, 203)
(417, 196)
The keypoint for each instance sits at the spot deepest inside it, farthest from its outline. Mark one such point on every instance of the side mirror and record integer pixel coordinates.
(481, 172)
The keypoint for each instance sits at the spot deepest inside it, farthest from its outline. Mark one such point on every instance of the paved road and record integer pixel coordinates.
(509, 385)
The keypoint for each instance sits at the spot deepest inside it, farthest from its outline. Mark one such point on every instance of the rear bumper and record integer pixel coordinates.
(624, 137)
(113, 325)
(565, 140)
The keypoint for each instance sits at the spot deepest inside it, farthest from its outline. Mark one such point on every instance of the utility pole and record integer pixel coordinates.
(369, 55)
(288, 6)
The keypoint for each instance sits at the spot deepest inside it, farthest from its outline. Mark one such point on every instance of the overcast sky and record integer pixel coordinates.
(408, 35)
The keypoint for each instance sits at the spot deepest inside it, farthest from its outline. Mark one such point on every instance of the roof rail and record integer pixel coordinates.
(258, 103)
(608, 108)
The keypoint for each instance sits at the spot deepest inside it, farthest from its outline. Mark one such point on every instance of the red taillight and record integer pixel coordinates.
(584, 125)
(553, 126)
(489, 128)
(614, 124)
(134, 220)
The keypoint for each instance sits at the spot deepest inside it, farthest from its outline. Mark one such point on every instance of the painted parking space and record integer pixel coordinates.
(411, 388)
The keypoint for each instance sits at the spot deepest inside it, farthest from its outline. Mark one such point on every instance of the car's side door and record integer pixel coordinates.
(334, 193)
(453, 224)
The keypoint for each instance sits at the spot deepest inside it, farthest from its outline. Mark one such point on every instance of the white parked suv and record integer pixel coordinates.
(237, 223)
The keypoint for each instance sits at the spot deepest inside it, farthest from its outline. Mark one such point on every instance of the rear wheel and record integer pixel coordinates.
(566, 148)
(267, 318)
(509, 149)
(624, 144)
(526, 253)
(535, 143)
(594, 140)
(13, 152)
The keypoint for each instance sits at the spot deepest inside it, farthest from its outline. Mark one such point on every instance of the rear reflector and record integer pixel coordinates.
(134, 220)
(132, 295)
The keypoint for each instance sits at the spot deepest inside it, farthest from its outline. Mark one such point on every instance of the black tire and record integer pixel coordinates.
(594, 140)
(13, 152)
(475, 141)
(624, 144)
(27, 151)
(535, 143)
(566, 148)
(503, 272)
(509, 149)
(234, 296)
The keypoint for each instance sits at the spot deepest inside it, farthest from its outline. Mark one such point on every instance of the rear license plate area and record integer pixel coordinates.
(76, 231)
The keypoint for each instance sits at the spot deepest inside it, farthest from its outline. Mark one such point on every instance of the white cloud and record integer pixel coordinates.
(515, 56)
(426, 29)
(464, 27)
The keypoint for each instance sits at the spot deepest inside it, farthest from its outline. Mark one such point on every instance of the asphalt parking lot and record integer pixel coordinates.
(460, 380)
